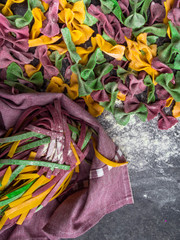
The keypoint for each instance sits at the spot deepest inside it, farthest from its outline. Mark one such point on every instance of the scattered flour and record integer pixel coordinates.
(153, 156)
(144, 144)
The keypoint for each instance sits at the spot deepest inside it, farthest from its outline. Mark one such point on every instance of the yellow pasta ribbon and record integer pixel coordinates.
(176, 110)
(27, 205)
(80, 33)
(169, 101)
(8, 132)
(5, 8)
(24, 176)
(60, 47)
(140, 55)
(57, 85)
(75, 154)
(105, 160)
(38, 19)
(3, 221)
(30, 69)
(74, 16)
(13, 149)
(93, 107)
(116, 51)
(121, 96)
(22, 218)
(40, 181)
(29, 169)
(45, 5)
(43, 40)
(168, 4)
(63, 4)
(64, 184)
(6, 178)
(84, 53)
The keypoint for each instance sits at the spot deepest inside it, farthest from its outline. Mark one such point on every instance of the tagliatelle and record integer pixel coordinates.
(141, 55)
(6, 177)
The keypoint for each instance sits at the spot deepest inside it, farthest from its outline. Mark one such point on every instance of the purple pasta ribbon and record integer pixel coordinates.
(49, 69)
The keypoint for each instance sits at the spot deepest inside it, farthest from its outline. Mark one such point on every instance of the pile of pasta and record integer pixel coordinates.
(40, 157)
(122, 56)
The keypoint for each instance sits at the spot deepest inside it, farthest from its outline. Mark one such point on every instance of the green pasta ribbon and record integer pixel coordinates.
(165, 81)
(70, 45)
(151, 89)
(168, 51)
(22, 21)
(109, 6)
(158, 29)
(96, 58)
(123, 118)
(14, 74)
(51, 165)
(123, 73)
(87, 75)
(111, 88)
(138, 16)
(20, 137)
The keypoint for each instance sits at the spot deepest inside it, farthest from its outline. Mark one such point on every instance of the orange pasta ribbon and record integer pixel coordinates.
(57, 85)
(176, 110)
(93, 107)
(38, 19)
(5, 8)
(74, 16)
(168, 4)
(121, 96)
(84, 53)
(30, 69)
(60, 47)
(43, 40)
(140, 55)
(116, 51)
(169, 101)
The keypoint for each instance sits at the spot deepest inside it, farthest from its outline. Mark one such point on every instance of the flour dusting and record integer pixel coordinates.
(153, 156)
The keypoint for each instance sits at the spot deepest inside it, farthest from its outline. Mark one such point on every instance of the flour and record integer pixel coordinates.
(140, 142)
(153, 156)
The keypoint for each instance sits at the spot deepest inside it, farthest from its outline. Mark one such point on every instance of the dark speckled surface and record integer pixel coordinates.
(154, 171)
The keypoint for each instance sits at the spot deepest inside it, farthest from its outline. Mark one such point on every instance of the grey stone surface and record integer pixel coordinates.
(154, 169)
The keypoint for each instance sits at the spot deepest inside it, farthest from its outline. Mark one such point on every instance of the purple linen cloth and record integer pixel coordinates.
(99, 190)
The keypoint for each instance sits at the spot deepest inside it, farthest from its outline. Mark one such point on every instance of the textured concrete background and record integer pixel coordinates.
(154, 169)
